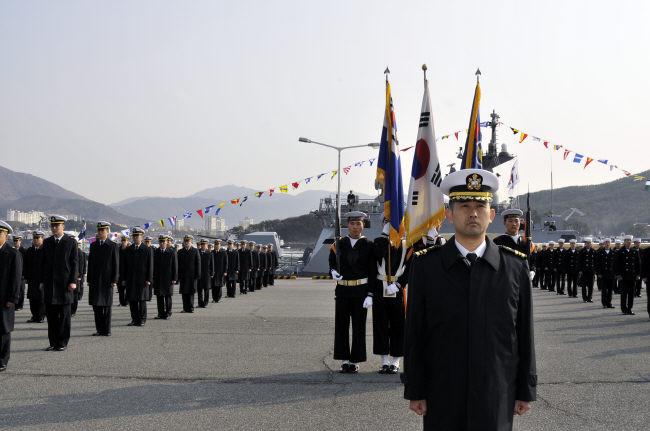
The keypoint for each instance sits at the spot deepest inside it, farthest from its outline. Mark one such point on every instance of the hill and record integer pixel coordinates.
(609, 208)
(15, 185)
(28, 192)
(296, 231)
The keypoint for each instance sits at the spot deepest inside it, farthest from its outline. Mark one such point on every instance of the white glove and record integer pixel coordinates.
(532, 274)
(336, 276)
(386, 229)
(367, 303)
(392, 289)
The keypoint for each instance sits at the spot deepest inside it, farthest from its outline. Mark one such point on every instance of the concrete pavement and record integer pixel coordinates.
(263, 362)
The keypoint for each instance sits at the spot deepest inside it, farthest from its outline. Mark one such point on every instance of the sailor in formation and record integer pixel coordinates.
(59, 280)
(103, 276)
(352, 265)
(11, 274)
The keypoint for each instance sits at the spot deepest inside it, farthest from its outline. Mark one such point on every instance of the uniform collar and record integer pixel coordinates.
(478, 252)
(451, 253)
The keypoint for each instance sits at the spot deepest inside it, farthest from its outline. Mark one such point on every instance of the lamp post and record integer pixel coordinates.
(338, 187)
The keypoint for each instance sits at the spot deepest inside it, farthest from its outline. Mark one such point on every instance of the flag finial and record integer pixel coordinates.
(386, 72)
(424, 70)
(478, 74)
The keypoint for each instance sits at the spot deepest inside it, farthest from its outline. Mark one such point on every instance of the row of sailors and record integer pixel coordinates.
(616, 269)
(53, 269)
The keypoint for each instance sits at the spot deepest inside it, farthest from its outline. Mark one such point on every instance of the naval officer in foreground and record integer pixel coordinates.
(469, 347)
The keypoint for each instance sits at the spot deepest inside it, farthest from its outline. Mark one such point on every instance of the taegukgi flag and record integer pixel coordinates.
(425, 206)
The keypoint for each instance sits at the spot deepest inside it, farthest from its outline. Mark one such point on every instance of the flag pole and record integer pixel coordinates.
(389, 135)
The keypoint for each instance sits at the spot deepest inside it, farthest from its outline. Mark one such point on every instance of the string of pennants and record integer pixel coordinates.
(573, 156)
(216, 208)
(567, 154)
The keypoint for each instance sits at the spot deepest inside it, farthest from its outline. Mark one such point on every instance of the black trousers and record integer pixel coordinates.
(251, 282)
(606, 290)
(217, 293)
(102, 319)
(560, 282)
(38, 310)
(538, 279)
(272, 277)
(188, 302)
(138, 312)
(551, 277)
(231, 288)
(121, 290)
(58, 324)
(572, 284)
(627, 295)
(388, 327)
(637, 288)
(164, 303)
(587, 285)
(21, 298)
(5, 348)
(203, 296)
(243, 285)
(346, 310)
(265, 279)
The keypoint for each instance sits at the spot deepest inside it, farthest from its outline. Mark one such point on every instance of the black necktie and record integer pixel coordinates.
(471, 257)
(101, 242)
(57, 241)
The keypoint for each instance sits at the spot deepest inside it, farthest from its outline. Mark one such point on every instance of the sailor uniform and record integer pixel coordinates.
(11, 273)
(388, 309)
(358, 269)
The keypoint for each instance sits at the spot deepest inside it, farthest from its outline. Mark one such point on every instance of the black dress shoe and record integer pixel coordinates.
(59, 349)
(344, 368)
(393, 369)
(158, 317)
(3, 368)
(31, 320)
(39, 321)
(610, 306)
(384, 369)
(108, 334)
(49, 349)
(96, 334)
(589, 300)
(130, 324)
(353, 368)
(631, 313)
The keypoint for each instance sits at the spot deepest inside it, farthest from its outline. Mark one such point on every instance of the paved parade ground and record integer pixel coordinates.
(264, 362)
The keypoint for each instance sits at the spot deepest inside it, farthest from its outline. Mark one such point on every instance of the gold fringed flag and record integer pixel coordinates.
(389, 172)
(426, 205)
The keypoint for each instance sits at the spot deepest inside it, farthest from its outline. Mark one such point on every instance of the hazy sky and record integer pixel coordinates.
(113, 99)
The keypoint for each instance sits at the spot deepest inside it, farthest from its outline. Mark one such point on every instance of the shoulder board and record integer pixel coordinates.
(426, 250)
(513, 251)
